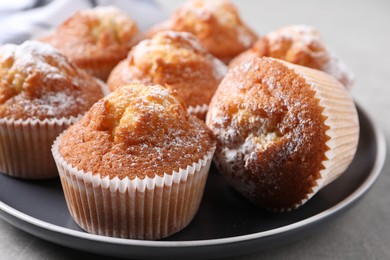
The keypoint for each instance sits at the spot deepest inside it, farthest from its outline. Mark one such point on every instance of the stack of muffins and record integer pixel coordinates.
(133, 163)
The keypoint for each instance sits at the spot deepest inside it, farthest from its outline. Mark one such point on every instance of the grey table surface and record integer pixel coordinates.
(358, 31)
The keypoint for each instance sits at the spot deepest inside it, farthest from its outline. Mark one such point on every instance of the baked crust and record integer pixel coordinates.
(37, 82)
(136, 131)
(174, 58)
(96, 39)
(301, 45)
(216, 24)
(270, 131)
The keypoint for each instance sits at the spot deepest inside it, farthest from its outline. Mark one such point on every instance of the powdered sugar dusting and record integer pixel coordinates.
(270, 132)
(145, 132)
(45, 84)
(220, 68)
(31, 56)
(58, 101)
(109, 16)
(49, 105)
(226, 15)
(300, 34)
(103, 11)
(214, 5)
(166, 44)
(339, 70)
(307, 39)
(179, 60)
(188, 39)
(244, 38)
(247, 149)
(203, 8)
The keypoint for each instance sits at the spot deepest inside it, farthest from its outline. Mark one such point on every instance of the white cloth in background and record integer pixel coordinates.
(8, 7)
(33, 20)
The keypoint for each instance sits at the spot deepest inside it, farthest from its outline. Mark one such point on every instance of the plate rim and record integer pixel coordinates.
(350, 199)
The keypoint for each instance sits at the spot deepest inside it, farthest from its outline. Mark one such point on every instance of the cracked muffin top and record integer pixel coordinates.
(37, 82)
(136, 131)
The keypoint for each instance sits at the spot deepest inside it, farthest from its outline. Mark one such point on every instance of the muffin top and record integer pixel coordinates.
(270, 132)
(216, 23)
(36, 82)
(136, 131)
(298, 44)
(95, 35)
(174, 58)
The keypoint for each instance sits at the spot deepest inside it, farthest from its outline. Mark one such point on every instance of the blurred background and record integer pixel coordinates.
(358, 31)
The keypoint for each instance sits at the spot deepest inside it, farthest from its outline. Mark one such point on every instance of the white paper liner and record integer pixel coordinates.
(337, 68)
(100, 72)
(199, 111)
(25, 146)
(343, 122)
(103, 87)
(150, 208)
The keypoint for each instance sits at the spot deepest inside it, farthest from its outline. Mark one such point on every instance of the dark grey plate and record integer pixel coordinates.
(226, 224)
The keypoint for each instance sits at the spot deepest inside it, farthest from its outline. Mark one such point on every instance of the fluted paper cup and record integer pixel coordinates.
(149, 208)
(25, 146)
(274, 172)
(342, 120)
(199, 111)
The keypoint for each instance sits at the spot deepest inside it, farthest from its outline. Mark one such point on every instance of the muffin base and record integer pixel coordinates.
(342, 120)
(25, 146)
(149, 208)
(199, 111)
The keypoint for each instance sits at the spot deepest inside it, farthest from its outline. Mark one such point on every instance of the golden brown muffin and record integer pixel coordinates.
(177, 59)
(96, 39)
(36, 82)
(302, 45)
(41, 94)
(216, 24)
(137, 131)
(283, 131)
(138, 140)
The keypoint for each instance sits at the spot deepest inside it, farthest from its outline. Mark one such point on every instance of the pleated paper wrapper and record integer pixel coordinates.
(149, 208)
(199, 111)
(342, 120)
(25, 146)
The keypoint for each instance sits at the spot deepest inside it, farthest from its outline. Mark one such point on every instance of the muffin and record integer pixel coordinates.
(135, 165)
(177, 59)
(283, 131)
(41, 94)
(302, 45)
(216, 24)
(95, 39)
